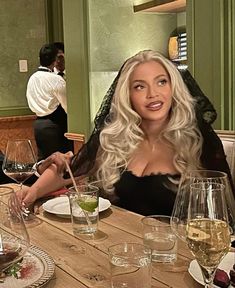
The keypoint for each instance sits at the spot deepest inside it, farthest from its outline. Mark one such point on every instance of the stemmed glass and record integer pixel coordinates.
(207, 230)
(179, 217)
(19, 163)
(14, 239)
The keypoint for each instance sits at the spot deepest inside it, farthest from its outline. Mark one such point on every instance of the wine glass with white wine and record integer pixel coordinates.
(207, 230)
(19, 164)
(180, 211)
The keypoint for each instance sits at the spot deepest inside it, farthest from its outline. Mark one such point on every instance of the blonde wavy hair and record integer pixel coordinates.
(122, 134)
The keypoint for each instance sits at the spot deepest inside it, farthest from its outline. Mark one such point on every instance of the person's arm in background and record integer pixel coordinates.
(49, 181)
(52, 170)
(57, 158)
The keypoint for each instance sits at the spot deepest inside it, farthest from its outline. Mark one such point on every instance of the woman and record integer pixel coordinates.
(150, 137)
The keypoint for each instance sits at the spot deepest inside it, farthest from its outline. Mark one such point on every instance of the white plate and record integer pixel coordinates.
(226, 265)
(60, 206)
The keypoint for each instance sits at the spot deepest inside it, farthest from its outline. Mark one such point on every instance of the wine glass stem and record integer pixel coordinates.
(1, 246)
(208, 276)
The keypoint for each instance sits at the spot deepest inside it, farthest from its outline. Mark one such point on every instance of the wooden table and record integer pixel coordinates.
(84, 263)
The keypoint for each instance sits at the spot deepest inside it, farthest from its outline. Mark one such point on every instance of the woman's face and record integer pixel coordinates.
(150, 91)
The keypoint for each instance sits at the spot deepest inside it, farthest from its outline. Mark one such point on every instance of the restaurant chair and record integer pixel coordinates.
(228, 139)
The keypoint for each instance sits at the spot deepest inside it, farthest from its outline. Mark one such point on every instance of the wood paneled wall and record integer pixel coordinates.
(16, 127)
(21, 127)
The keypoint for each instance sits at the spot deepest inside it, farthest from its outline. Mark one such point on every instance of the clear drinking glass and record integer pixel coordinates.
(207, 231)
(158, 235)
(84, 207)
(19, 163)
(130, 265)
(180, 211)
(14, 239)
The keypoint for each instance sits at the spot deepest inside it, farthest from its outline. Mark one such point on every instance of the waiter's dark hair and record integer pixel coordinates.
(47, 54)
(59, 46)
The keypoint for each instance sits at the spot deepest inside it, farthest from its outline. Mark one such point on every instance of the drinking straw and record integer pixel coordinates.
(75, 187)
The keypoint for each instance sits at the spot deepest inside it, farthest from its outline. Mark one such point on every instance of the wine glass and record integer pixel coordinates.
(207, 230)
(14, 239)
(19, 163)
(180, 210)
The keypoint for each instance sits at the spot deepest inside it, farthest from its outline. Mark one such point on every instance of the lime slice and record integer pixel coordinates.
(89, 204)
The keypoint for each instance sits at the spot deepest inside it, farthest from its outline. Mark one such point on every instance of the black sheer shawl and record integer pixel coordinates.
(212, 157)
(84, 160)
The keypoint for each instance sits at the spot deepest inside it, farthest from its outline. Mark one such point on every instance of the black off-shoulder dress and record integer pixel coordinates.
(146, 195)
(155, 194)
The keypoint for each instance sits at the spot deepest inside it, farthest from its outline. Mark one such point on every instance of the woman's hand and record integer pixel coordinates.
(26, 196)
(58, 159)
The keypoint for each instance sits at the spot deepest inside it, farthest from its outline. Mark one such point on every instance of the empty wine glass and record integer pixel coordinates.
(180, 210)
(207, 231)
(19, 163)
(14, 239)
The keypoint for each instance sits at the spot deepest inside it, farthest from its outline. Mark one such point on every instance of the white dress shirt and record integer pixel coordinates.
(56, 71)
(45, 92)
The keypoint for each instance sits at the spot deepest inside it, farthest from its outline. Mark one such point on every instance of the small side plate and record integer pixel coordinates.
(226, 265)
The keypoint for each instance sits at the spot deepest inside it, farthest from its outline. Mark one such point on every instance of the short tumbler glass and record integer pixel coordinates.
(84, 208)
(130, 265)
(158, 236)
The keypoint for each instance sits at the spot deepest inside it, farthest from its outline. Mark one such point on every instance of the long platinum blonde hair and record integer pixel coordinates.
(122, 134)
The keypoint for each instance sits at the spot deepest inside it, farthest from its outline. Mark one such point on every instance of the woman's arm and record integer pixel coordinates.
(51, 180)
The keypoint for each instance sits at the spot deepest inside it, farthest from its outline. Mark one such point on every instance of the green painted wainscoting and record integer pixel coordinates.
(211, 53)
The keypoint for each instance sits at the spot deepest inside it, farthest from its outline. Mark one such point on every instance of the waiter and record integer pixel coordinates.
(60, 63)
(46, 96)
